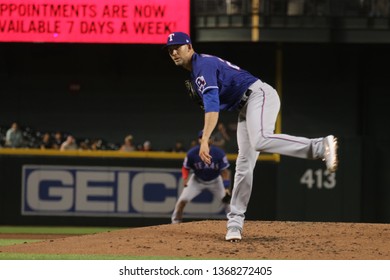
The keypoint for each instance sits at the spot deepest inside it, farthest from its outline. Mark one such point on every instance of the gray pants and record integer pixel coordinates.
(255, 134)
(194, 187)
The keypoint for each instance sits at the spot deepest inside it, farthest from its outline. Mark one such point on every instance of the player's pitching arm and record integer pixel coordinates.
(210, 122)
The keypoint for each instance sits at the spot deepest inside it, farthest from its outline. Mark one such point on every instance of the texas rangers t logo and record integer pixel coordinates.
(171, 37)
(201, 83)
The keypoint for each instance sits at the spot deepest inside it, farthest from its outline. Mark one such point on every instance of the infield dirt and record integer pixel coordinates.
(205, 240)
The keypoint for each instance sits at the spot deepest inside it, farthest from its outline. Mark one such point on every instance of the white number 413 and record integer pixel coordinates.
(319, 178)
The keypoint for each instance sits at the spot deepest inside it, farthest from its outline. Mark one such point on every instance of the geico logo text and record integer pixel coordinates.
(98, 190)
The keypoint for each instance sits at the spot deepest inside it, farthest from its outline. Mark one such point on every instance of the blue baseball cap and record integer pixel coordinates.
(178, 38)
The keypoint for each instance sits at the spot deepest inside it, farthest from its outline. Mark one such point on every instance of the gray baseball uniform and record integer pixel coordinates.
(223, 86)
(255, 132)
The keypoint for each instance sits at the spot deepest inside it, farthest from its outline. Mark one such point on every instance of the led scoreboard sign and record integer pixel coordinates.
(92, 21)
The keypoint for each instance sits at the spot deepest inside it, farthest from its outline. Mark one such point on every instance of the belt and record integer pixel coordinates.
(244, 99)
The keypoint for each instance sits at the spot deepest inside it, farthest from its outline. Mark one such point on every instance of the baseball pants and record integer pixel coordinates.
(255, 134)
(194, 187)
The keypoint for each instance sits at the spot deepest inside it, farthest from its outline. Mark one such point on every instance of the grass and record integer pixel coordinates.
(18, 256)
(53, 230)
(63, 230)
(6, 242)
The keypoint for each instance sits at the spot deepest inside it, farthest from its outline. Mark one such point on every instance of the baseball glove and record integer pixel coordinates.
(226, 199)
(193, 95)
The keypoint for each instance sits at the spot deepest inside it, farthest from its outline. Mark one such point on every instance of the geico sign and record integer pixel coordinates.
(70, 190)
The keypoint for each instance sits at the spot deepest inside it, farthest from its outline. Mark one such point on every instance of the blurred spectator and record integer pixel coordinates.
(96, 144)
(220, 136)
(14, 136)
(84, 145)
(193, 143)
(128, 145)
(379, 8)
(179, 147)
(147, 146)
(46, 142)
(295, 7)
(234, 7)
(58, 140)
(69, 144)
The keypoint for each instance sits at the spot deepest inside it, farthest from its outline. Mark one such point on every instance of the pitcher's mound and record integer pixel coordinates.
(206, 239)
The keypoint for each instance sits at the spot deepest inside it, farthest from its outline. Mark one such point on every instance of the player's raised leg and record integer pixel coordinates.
(263, 109)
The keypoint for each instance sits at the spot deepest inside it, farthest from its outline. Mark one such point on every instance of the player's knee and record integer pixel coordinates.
(260, 143)
(246, 162)
(243, 172)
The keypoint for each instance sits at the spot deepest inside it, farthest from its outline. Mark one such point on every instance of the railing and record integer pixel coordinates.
(321, 8)
(352, 21)
(222, 7)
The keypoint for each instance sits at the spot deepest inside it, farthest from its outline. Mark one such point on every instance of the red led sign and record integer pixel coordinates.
(92, 21)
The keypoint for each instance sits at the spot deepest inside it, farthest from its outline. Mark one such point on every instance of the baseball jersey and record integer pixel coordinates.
(206, 172)
(219, 83)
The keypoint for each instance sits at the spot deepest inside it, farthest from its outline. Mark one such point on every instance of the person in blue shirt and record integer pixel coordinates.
(223, 86)
(214, 176)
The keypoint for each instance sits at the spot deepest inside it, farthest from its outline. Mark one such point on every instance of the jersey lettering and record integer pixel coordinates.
(200, 83)
(201, 165)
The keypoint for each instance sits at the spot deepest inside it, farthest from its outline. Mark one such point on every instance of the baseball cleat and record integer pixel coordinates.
(330, 155)
(234, 240)
(233, 234)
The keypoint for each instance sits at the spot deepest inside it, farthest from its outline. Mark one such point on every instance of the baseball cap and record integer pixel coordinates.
(178, 38)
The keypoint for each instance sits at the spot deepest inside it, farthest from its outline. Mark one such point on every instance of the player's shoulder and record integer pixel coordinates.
(203, 58)
(208, 58)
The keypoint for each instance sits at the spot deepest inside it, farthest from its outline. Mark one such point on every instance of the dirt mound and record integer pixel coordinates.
(205, 239)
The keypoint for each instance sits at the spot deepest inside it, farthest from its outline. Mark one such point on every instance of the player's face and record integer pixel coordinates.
(180, 54)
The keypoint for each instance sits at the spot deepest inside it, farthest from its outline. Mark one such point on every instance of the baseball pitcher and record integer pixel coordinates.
(223, 86)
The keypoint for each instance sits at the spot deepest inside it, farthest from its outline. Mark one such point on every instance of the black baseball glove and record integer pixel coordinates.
(226, 199)
(193, 95)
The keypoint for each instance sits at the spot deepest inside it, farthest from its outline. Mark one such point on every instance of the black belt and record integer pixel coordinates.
(244, 99)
